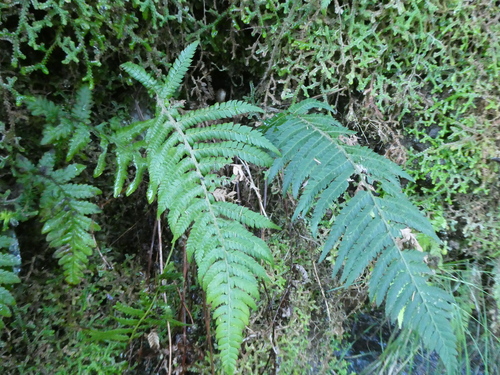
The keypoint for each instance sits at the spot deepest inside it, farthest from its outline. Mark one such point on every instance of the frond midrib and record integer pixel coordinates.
(215, 224)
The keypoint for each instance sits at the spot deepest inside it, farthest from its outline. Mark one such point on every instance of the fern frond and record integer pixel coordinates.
(129, 149)
(319, 163)
(79, 140)
(44, 107)
(425, 308)
(304, 106)
(7, 277)
(148, 313)
(178, 71)
(217, 111)
(116, 335)
(138, 73)
(66, 219)
(72, 128)
(81, 110)
(183, 161)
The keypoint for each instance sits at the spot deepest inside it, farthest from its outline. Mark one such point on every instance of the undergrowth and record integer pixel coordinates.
(417, 82)
(51, 319)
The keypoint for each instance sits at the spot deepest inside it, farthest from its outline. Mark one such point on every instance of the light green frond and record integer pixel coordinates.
(230, 132)
(158, 131)
(201, 237)
(183, 197)
(178, 71)
(8, 277)
(243, 215)
(183, 162)
(128, 134)
(217, 111)
(192, 214)
(139, 74)
(231, 150)
(129, 145)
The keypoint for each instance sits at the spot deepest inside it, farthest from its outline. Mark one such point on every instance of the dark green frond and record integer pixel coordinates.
(7, 276)
(79, 140)
(44, 107)
(376, 166)
(320, 162)
(398, 209)
(61, 176)
(72, 129)
(305, 105)
(66, 219)
(399, 278)
(148, 313)
(81, 110)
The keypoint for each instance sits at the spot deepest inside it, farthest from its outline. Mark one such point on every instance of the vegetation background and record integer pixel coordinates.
(417, 80)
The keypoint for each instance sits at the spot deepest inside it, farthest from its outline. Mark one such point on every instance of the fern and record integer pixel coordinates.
(182, 162)
(148, 315)
(63, 205)
(129, 148)
(65, 212)
(319, 162)
(71, 129)
(7, 277)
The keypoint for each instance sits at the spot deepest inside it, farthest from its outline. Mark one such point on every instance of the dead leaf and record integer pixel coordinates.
(408, 240)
